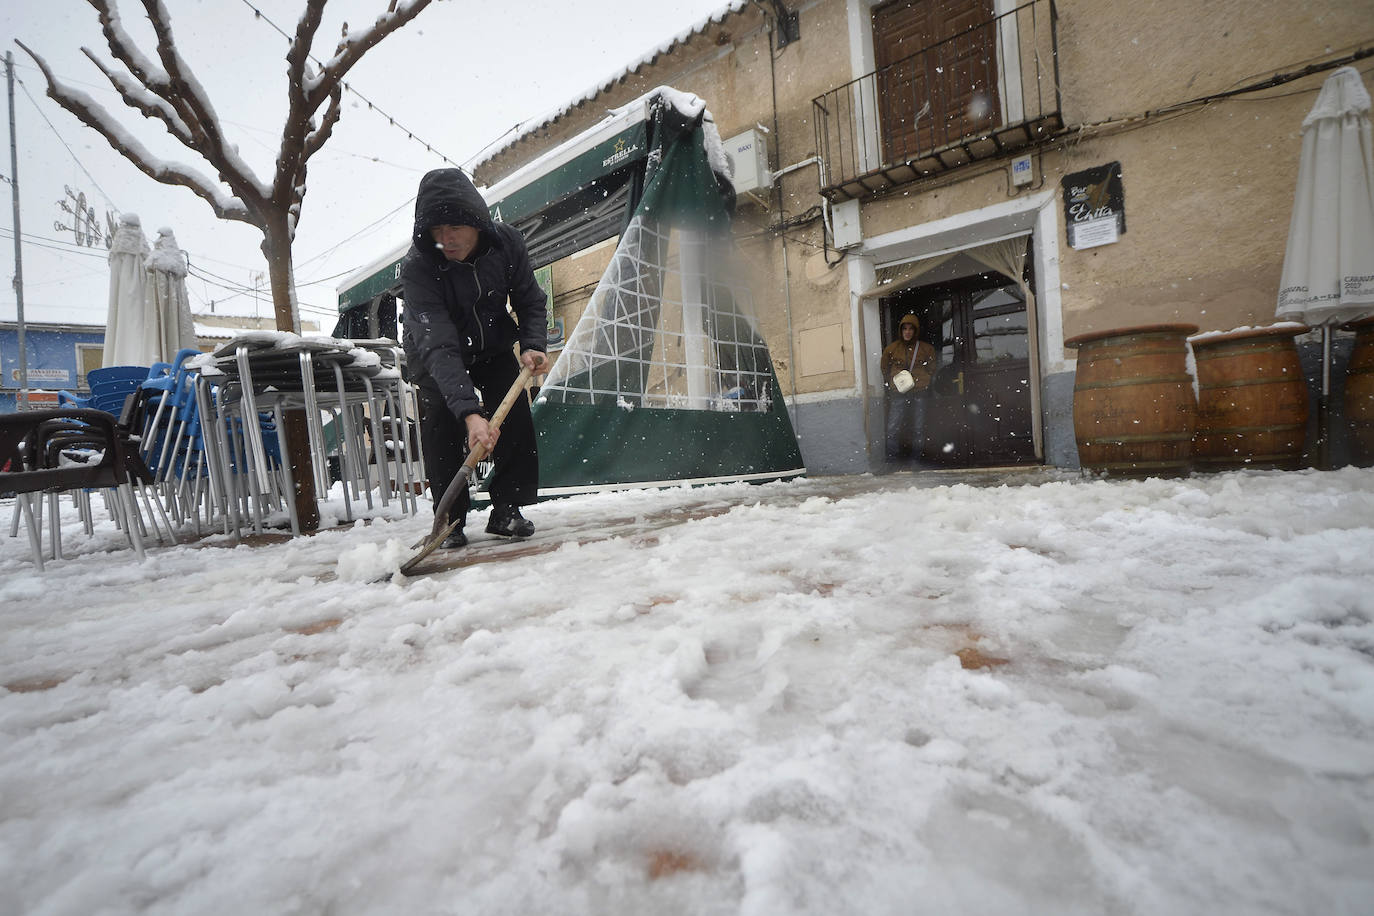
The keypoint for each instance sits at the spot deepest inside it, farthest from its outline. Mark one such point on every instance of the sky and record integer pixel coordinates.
(458, 77)
(1031, 692)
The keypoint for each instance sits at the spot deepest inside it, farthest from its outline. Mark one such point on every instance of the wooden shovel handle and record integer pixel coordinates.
(462, 480)
(517, 389)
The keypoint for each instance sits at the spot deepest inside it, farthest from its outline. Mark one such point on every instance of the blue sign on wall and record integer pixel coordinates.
(54, 357)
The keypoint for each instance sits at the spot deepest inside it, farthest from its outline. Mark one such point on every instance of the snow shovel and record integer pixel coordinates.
(463, 479)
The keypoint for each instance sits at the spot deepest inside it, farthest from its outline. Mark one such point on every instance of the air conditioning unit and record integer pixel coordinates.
(749, 153)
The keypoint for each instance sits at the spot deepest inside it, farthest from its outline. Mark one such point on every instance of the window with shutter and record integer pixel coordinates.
(937, 73)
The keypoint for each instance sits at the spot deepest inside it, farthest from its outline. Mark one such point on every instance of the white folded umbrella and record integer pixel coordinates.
(1328, 267)
(129, 338)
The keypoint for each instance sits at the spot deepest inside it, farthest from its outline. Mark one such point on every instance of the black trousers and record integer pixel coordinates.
(515, 480)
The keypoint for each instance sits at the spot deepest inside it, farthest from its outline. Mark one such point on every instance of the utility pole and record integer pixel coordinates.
(23, 402)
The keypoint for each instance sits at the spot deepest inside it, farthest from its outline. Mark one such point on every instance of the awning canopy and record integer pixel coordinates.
(573, 196)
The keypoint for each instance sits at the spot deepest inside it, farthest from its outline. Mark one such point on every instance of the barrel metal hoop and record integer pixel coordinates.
(1141, 465)
(1121, 440)
(1135, 382)
(1247, 460)
(1243, 382)
(1205, 353)
(1230, 430)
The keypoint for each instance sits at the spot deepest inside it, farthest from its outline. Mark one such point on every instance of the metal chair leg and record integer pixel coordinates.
(288, 478)
(131, 524)
(374, 418)
(25, 503)
(54, 526)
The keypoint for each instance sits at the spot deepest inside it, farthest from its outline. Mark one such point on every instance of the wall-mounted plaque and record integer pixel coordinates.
(1094, 206)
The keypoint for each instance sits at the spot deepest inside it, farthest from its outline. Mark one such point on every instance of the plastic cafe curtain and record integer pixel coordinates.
(1328, 267)
(665, 377)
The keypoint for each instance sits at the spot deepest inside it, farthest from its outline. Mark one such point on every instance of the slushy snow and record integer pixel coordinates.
(1034, 693)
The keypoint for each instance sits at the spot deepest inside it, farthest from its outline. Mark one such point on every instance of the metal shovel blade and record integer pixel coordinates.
(430, 543)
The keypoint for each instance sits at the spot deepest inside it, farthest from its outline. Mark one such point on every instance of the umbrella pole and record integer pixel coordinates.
(1323, 405)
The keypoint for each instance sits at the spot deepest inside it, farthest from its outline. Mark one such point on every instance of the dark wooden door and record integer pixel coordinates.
(978, 409)
(937, 73)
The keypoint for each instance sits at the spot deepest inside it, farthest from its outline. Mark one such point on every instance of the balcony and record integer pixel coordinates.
(990, 89)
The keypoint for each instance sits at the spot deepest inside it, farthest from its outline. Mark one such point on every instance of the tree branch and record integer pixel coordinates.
(194, 106)
(94, 116)
(292, 153)
(298, 54)
(144, 101)
(123, 49)
(320, 135)
(352, 49)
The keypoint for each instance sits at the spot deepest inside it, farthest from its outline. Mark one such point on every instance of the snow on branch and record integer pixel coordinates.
(93, 115)
(298, 54)
(124, 50)
(353, 46)
(193, 103)
(318, 136)
(148, 103)
(302, 136)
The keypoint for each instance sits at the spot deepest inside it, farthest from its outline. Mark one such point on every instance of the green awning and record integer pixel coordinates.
(371, 286)
(544, 190)
(610, 155)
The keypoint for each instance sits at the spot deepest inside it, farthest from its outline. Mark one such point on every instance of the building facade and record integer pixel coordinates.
(1013, 173)
(59, 356)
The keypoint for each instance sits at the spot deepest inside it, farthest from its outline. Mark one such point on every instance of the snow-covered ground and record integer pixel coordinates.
(860, 695)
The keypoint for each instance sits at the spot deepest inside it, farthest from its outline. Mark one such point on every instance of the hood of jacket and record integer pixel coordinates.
(911, 320)
(447, 198)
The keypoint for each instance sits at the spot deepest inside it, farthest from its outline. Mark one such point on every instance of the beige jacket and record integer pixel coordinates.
(918, 357)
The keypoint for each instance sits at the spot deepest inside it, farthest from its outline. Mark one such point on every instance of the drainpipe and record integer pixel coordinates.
(777, 190)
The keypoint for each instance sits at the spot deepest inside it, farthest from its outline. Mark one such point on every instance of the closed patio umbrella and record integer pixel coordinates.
(1328, 267)
(128, 336)
(166, 304)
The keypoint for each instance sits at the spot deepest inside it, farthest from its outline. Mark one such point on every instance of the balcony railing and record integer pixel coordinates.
(990, 89)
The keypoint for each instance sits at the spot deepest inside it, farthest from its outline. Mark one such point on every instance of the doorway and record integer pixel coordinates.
(978, 406)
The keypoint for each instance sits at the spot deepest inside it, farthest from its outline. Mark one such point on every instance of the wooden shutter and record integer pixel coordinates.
(936, 53)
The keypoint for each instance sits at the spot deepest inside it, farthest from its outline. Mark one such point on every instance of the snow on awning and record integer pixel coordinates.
(574, 167)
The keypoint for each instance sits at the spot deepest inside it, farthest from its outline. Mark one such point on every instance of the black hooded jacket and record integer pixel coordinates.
(455, 311)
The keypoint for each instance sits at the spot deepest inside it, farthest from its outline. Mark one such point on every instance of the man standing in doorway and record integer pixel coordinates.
(908, 363)
(460, 338)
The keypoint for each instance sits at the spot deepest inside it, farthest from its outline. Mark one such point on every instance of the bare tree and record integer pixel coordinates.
(165, 88)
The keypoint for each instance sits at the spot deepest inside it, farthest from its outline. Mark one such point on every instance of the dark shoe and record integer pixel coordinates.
(507, 522)
(455, 540)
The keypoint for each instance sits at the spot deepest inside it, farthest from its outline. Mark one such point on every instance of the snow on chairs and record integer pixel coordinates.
(357, 410)
(68, 450)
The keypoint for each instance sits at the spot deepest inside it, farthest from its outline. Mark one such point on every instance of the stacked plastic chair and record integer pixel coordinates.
(358, 415)
(172, 442)
(68, 450)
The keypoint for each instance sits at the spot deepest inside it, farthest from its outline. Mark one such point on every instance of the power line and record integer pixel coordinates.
(60, 138)
(376, 222)
(55, 244)
(377, 108)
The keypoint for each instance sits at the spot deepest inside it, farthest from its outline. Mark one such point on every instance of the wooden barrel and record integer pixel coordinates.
(1252, 400)
(1359, 392)
(1133, 407)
